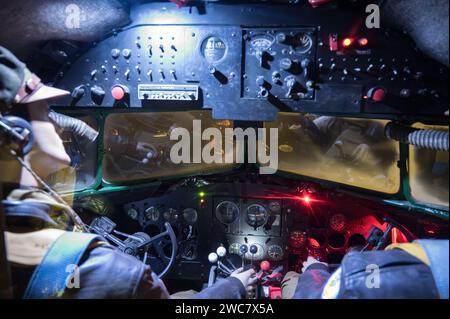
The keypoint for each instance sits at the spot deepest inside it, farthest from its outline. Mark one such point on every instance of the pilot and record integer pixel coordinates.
(53, 258)
(417, 270)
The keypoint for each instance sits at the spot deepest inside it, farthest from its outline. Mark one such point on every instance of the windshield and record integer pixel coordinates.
(137, 145)
(343, 150)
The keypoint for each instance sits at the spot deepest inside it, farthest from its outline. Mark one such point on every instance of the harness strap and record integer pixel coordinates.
(50, 278)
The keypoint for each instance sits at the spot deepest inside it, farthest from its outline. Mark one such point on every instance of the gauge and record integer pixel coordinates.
(190, 215)
(152, 214)
(256, 215)
(275, 206)
(171, 215)
(302, 43)
(275, 252)
(227, 212)
(338, 222)
(297, 238)
(234, 249)
(261, 42)
(133, 213)
(213, 49)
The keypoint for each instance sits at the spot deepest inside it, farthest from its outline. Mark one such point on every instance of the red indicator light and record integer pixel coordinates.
(118, 93)
(347, 42)
(363, 42)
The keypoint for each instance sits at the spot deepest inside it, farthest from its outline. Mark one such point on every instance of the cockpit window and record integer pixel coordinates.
(428, 173)
(137, 146)
(350, 151)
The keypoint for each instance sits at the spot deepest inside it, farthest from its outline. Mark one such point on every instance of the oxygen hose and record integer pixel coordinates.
(429, 139)
(73, 125)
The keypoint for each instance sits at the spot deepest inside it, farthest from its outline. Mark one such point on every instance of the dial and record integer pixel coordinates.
(190, 215)
(302, 43)
(261, 42)
(275, 252)
(213, 49)
(338, 222)
(256, 215)
(152, 214)
(234, 248)
(275, 206)
(171, 215)
(297, 238)
(227, 212)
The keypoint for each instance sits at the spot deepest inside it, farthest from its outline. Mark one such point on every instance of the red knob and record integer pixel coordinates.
(118, 92)
(265, 265)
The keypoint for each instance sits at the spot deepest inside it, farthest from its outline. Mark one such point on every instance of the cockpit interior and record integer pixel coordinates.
(208, 136)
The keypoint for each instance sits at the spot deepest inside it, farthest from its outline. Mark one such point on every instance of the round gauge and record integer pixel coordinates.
(227, 212)
(234, 249)
(256, 215)
(302, 43)
(297, 238)
(338, 222)
(152, 214)
(133, 213)
(171, 215)
(261, 42)
(213, 49)
(275, 206)
(190, 215)
(275, 252)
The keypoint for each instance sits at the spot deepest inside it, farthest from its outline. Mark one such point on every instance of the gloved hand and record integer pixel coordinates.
(310, 261)
(247, 278)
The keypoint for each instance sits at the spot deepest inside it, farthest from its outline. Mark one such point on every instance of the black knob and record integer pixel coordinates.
(115, 53)
(78, 92)
(97, 94)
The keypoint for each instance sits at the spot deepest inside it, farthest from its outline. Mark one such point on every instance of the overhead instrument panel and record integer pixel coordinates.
(246, 65)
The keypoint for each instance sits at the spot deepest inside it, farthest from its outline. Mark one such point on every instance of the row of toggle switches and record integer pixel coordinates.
(127, 73)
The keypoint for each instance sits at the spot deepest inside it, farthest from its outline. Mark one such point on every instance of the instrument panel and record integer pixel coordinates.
(257, 222)
(245, 65)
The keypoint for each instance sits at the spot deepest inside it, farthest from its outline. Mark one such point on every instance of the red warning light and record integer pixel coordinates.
(347, 42)
(363, 42)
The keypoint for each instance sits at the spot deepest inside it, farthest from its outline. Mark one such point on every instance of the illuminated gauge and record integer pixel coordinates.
(256, 215)
(133, 213)
(171, 215)
(275, 252)
(190, 215)
(338, 222)
(275, 206)
(234, 249)
(261, 42)
(302, 43)
(227, 212)
(152, 214)
(213, 49)
(297, 238)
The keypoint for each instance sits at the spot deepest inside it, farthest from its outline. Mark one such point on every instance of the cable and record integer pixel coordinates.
(71, 213)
